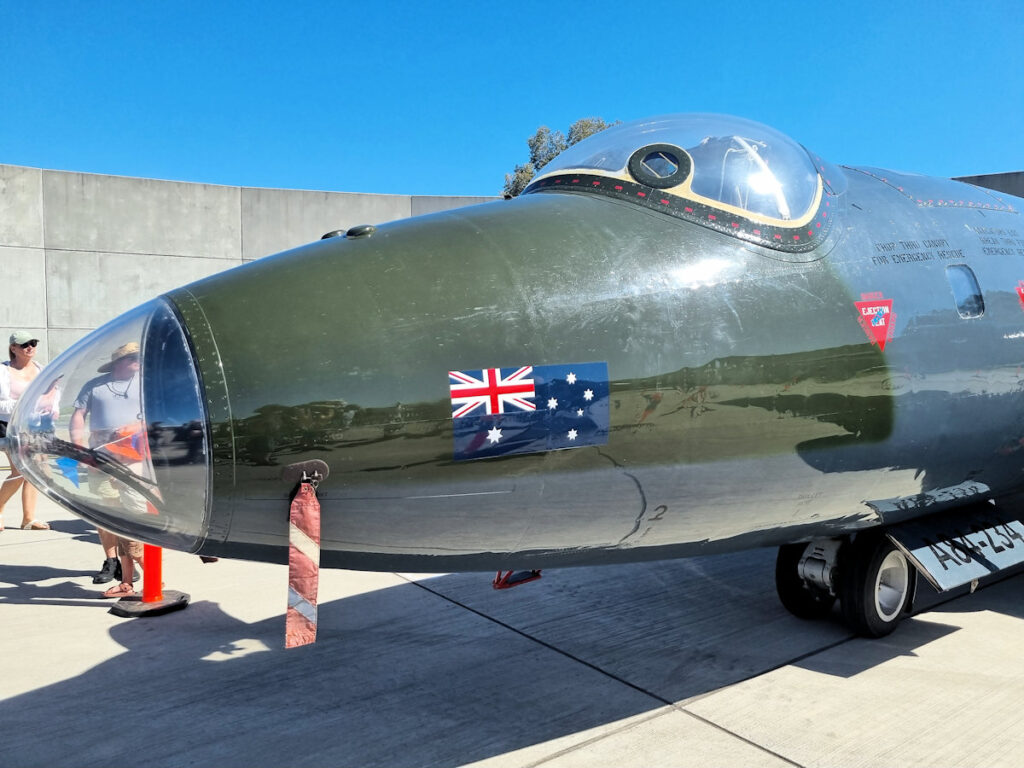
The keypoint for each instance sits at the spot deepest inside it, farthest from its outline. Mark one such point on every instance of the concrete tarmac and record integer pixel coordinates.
(678, 663)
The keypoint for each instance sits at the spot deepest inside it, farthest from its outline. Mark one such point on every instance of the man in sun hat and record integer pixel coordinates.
(111, 403)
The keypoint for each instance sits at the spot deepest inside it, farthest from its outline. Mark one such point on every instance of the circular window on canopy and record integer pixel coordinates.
(661, 166)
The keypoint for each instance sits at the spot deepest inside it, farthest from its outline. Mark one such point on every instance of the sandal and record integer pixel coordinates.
(121, 590)
(35, 525)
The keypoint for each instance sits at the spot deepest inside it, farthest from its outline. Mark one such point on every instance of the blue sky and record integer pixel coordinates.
(439, 97)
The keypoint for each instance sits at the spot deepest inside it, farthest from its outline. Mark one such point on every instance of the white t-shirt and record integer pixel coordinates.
(9, 397)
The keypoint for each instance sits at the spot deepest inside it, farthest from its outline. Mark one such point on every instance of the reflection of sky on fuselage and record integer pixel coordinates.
(705, 272)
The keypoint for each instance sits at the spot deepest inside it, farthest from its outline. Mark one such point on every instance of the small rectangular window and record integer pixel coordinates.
(966, 291)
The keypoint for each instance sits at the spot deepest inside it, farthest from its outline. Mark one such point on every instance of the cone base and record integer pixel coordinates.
(133, 607)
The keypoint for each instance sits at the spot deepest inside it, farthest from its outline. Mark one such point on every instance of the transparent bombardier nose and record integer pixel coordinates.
(115, 430)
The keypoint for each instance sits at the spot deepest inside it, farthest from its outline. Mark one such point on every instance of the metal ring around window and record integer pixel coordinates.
(660, 165)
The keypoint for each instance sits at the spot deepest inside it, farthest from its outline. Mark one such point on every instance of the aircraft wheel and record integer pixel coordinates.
(875, 586)
(797, 596)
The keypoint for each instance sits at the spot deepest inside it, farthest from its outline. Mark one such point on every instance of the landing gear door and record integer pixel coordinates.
(956, 547)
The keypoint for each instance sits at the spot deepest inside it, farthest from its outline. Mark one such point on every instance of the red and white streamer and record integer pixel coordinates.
(303, 567)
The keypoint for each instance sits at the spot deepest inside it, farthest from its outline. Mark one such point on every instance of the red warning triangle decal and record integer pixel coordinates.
(876, 318)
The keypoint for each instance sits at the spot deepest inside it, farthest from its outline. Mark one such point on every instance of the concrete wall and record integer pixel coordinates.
(78, 249)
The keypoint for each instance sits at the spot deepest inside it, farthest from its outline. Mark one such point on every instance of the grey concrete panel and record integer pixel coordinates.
(422, 204)
(86, 289)
(636, 598)
(124, 215)
(59, 339)
(23, 282)
(666, 739)
(275, 220)
(944, 689)
(21, 208)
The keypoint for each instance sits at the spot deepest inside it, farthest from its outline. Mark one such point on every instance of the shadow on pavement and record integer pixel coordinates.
(20, 584)
(437, 673)
(76, 527)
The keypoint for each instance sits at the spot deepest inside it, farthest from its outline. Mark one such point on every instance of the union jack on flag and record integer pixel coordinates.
(492, 390)
(531, 409)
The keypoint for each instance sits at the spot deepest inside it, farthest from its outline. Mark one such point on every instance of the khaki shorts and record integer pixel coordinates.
(103, 486)
(115, 493)
(130, 548)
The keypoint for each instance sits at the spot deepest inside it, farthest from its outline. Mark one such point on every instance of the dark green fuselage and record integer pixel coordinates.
(748, 406)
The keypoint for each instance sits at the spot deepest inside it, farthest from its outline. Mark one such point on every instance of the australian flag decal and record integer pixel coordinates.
(531, 409)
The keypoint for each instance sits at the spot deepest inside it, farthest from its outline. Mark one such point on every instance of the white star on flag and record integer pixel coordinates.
(571, 378)
(588, 394)
(552, 403)
(494, 435)
(572, 434)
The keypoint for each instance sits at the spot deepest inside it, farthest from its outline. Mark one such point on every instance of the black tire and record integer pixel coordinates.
(803, 601)
(873, 603)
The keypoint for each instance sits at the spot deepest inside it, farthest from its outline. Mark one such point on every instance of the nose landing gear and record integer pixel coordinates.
(803, 578)
(875, 585)
(871, 578)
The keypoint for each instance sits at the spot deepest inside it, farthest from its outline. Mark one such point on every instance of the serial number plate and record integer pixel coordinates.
(957, 547)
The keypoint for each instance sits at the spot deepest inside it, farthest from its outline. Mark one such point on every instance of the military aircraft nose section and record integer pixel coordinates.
(725, 173)
(115, 429)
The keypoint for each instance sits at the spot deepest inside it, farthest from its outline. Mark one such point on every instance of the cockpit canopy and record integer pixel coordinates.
(724, 172)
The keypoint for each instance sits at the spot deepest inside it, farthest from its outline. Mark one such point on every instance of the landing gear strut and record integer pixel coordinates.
(801, 594)
(871, 578)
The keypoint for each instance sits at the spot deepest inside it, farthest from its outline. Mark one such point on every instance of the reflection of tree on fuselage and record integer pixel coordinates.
(324, 424)
(279, 430)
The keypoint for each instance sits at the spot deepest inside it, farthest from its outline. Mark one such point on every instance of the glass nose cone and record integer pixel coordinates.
(115, 430)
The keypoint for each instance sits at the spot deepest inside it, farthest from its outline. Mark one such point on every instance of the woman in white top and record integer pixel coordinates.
(15, 376)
